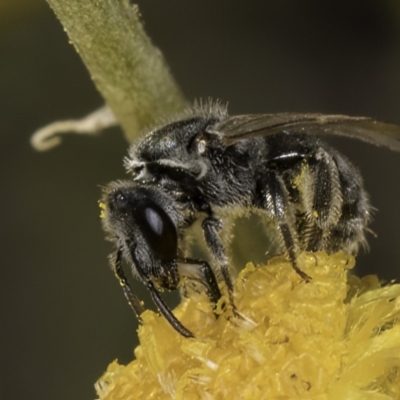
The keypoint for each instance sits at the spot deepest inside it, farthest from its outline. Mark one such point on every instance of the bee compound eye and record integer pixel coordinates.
(154, 221)
(158, 229)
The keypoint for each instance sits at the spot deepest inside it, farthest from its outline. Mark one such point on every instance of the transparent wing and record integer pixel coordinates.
(242, 127)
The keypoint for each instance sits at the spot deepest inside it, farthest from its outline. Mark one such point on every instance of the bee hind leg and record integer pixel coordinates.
(272, 196)
(291, 249)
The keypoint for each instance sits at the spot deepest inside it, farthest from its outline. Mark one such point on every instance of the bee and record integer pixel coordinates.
(206, 164)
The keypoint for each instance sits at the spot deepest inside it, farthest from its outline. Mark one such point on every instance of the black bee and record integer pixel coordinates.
(207, 164)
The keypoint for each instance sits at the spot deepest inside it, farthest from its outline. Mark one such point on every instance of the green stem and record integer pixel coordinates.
(126, 68)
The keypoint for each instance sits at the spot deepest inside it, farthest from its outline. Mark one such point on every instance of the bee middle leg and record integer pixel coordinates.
(211, 226)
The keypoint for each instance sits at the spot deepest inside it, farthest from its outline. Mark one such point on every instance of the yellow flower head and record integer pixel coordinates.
(336, 337)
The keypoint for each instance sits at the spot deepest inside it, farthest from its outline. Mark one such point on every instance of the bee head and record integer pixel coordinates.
(141, 217)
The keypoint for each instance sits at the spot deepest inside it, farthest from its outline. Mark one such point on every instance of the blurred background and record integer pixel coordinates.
(63, 316)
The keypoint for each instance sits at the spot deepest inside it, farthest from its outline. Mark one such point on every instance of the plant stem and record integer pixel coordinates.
(126, 68)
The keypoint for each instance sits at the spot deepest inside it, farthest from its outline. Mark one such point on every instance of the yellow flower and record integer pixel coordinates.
(336, 337)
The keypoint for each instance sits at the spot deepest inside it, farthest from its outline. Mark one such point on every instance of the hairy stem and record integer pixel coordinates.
(126, 68)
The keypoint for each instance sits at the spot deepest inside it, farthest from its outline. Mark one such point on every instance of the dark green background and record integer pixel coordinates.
(63, 317)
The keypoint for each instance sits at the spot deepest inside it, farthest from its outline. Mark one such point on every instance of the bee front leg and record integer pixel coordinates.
(133, 300)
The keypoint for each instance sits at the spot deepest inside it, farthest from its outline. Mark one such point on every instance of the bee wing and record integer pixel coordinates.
(236, 128)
